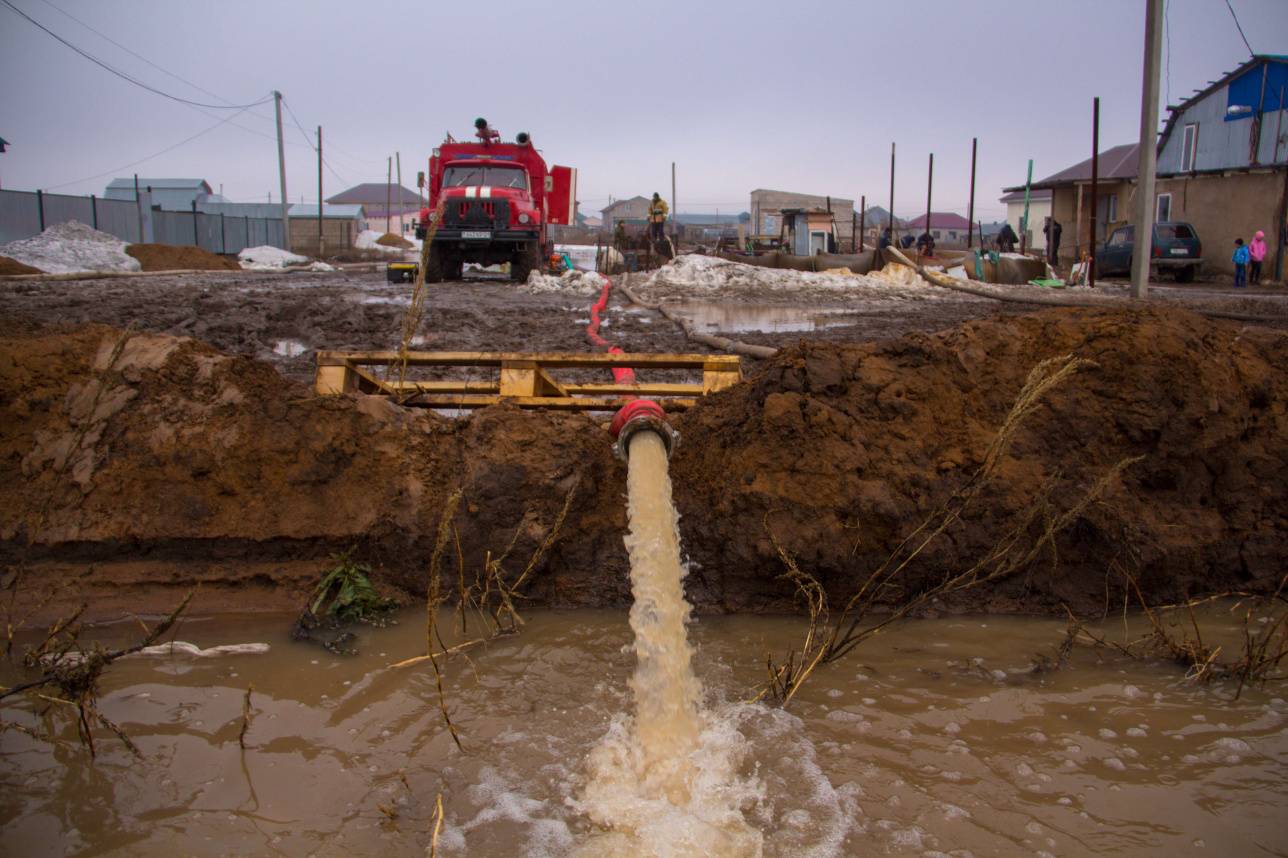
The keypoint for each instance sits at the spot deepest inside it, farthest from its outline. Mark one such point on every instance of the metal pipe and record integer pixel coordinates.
(40, 207)
(930, 184)
(970, 216)
(1095, 189)
(640, 415)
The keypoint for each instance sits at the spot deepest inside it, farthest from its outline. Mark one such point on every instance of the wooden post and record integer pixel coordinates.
(93, 209)
(970, 215)
(398, 157)
(389, 195)
(1024, 221)
(321, 241)
(1095, 189)
(40, 207)
(196, 237)
(863, 213)
(892, 229)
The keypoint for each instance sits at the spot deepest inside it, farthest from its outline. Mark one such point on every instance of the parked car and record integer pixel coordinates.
(1176, 248)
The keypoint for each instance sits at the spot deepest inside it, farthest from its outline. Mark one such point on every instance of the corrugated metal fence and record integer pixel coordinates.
(24, 214)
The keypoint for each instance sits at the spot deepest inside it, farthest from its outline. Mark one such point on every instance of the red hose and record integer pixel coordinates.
(621, 374)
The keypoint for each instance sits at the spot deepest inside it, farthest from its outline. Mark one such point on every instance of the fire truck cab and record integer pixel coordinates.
(491, 202)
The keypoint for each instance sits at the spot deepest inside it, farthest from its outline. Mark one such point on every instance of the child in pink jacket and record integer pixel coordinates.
(1256, 253)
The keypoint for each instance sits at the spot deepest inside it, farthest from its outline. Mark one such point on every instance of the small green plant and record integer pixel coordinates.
(346, 593)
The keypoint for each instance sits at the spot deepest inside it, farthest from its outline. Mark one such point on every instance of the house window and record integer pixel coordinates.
(1112, 208)
(1189, 147)
(1163, 214)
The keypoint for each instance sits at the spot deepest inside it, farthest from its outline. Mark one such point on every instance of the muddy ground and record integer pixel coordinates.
(134, 464)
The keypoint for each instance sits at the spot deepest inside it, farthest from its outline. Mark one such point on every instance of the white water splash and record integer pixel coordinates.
(665, 782)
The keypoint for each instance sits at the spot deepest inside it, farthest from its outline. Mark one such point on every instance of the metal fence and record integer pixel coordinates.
(24, 214)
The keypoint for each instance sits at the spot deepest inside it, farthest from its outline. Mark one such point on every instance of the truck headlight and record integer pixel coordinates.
(523, 217)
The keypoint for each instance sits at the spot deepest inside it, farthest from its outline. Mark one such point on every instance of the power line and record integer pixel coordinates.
(126, 77)
(1232, 15)
(116, 170)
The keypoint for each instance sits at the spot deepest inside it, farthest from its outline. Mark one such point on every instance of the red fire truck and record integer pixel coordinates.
(490, 202)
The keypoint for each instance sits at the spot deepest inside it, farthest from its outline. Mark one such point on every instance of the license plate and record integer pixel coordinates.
(1180, 251)
(477, 234)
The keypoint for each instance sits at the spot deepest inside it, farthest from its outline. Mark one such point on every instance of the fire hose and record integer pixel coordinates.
(637, 414)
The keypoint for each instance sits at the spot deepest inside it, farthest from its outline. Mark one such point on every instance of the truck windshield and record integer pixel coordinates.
(497, 177)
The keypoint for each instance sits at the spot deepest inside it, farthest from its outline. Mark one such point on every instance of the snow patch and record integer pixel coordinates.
(71, 247)
(267, 258)
(568, 283)
(366, 240)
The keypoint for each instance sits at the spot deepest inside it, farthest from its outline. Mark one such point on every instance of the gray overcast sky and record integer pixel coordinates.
(802, 96)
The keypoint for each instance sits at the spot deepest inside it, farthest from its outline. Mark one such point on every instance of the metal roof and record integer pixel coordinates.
(348, 211)
(375, 193)
(1116, 165)
(160, 184)
(1038, 195)
(939, 220)
(1174, 111)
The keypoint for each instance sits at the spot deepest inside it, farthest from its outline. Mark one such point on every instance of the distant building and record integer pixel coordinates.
(340, 227)
(808, 232)
(633, 210)
(382, 204)
(1039, 211)
(947, 228)
(1222, 159)
(169, 194)
(767, 209)
(1071, 199)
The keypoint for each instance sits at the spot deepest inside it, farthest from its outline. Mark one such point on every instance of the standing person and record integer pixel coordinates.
(657, 211)
(885, 237)
(1006, 239)
(619, 236)
(1052, 230)
(1256, 255)
(1240, 260)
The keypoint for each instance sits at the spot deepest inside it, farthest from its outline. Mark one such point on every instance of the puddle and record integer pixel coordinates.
(767, 318)
(289, 348)
(934, 738)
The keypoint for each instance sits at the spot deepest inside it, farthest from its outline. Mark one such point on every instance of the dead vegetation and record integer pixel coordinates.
(828, 638)
(1174, 635)
(64, 677)
(490, 599)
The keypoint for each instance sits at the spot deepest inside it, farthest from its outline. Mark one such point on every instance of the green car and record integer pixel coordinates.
(1176, 248)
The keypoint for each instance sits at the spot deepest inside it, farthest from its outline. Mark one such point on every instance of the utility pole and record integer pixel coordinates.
(398, 156)
(1144, 239)
(321, 246)
(970, 215)
(389, 196)
(281, 173)
(863, 213)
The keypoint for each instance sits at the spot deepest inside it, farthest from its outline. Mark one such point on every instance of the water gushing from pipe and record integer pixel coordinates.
(665, 782)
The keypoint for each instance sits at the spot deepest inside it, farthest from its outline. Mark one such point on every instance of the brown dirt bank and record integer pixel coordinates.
(172, 257)
(13, 266)
(135, 466)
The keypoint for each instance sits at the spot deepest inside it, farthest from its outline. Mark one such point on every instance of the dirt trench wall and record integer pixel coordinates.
(150, 461)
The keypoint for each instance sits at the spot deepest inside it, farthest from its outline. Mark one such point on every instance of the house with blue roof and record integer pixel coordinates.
(1223, 162)
(169, 194)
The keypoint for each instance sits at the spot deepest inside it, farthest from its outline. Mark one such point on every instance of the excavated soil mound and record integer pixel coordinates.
(13, 266)
(390, 239)
(171, 257)
(137, 464)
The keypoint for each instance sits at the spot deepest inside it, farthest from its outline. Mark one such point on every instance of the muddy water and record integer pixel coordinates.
(732, 318)
(933, 739)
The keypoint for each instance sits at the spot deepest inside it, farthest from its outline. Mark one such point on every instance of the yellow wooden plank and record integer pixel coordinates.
(718, 380)
(561, 403)
(518, 380)
(331, 380)
(655, 389)
(544, 359)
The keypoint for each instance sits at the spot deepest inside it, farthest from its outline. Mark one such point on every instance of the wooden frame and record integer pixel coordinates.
(523, 379)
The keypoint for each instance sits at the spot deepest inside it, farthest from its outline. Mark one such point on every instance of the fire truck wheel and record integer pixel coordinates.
(525, 260)
(434, 265)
